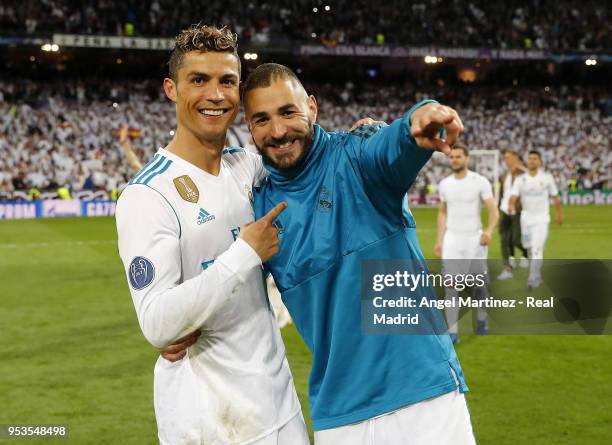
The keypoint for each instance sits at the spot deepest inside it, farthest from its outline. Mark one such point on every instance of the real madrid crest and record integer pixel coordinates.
(187, 189)
(324, 204)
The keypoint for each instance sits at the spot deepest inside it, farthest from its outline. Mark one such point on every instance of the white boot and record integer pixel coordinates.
(505, 274)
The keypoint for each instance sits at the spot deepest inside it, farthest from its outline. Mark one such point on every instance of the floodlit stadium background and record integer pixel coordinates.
(526, 75)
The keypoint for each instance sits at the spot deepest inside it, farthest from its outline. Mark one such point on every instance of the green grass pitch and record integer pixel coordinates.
(72, 351)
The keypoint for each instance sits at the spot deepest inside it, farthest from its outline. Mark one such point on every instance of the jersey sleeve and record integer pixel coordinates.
(250, 162)
(390, 157)
(442, 191)
(486, 191)
(259, 171)
(551, 186)
(168, 308)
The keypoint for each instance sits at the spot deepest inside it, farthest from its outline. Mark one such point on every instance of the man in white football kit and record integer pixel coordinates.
(535, 189)
(191, 267)
(460, 239)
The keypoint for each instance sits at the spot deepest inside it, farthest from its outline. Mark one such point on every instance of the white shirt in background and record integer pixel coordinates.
(463, 198)
(535, 193)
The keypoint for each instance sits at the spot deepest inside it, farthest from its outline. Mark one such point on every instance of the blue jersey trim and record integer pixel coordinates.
(155, 166)
(230, 151)
(158, 172)
(143, 169)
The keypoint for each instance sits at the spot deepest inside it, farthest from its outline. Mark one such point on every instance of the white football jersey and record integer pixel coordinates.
(187, 269)
(535, 193)
(463, 198)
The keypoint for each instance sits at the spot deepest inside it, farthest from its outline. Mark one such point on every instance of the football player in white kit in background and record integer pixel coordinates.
(190, 266)
(460, 238)
(535, 190)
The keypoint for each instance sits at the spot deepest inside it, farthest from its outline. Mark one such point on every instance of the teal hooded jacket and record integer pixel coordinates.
(345, 206)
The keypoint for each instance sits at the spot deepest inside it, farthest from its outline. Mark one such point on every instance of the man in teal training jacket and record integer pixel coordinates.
(344, 193)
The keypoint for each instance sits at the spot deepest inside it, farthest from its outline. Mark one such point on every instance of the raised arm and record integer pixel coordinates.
(391, 156)
(130, 156)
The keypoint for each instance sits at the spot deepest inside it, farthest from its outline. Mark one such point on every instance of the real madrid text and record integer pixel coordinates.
(469, 302)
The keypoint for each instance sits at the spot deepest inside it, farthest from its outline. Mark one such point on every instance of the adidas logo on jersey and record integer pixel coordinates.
(204, 216)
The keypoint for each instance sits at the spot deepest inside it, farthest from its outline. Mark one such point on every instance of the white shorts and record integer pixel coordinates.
(292, 433)
(181, 419)
(534, 234)
(443, 420)
(464, 253)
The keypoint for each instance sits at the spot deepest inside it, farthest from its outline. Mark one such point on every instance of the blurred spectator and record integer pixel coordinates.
(72, 134)
(541, 24)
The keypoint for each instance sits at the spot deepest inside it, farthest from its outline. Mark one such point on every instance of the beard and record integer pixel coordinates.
(287, 161)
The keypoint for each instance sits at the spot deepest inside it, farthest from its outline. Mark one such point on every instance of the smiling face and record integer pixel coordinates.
(280, 118)
(206, 94)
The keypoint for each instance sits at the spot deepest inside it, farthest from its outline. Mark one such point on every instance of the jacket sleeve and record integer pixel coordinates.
(167, 307)
(390, 157)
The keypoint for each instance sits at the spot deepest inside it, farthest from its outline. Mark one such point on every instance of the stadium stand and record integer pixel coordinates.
(538, 24)
(66, 133)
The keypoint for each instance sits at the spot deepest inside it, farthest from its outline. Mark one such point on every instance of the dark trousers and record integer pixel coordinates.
(510, 236)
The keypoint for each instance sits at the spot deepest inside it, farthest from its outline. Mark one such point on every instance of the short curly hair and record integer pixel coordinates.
(201, 38)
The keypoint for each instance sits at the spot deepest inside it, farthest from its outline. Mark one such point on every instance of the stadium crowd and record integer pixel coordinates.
(542, 24)
(568, 125)
(66, 134)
